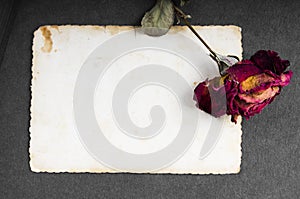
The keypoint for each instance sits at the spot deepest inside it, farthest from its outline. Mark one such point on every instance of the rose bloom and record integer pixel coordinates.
(247, 87)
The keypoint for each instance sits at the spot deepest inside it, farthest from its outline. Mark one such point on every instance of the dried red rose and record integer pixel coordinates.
(247, 88)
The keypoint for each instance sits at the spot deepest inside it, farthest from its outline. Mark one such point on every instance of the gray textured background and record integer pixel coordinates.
(270, 166)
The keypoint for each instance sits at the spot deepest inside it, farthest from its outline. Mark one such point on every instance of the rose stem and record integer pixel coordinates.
(182, 15)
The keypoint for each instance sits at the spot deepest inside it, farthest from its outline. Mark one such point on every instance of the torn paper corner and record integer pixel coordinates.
(135, 91)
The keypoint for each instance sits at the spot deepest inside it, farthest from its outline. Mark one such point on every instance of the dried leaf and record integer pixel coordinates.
(159, 19)
(183, 2)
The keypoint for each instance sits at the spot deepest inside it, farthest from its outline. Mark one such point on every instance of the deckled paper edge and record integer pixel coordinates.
(115, 30)
(31, 165)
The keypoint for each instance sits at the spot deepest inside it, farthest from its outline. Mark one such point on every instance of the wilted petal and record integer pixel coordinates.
(249, 86)
(259, 97)
(256, 83)
(242, 70)
(211, 97)
(286, 78)
(231, 88)
(269, 60)
(250, 109)
(202, 97)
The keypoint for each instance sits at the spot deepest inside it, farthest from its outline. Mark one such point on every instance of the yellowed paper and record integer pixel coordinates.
(60, 56)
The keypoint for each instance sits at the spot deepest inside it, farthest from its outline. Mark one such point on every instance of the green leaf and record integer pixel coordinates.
(159, 19)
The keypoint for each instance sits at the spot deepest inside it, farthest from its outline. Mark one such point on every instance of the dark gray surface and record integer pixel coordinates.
(270, 166)
(7, 15)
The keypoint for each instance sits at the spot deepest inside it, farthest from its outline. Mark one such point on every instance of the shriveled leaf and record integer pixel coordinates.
(159, 19)
(183, 2)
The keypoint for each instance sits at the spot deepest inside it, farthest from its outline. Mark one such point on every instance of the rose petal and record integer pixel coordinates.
(264, 81)
(248, 86)
(211, 97)
(202, 97)
(231, 88)
(269, 60)
(285, 78)
(242, 70)
(250, 109)
(259, 97)
(255, 81)
(218, 97)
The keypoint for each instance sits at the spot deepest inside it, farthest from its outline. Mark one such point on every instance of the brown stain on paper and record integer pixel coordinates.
(176, 29)
(113, 30)
(47, 40)
(55, 27)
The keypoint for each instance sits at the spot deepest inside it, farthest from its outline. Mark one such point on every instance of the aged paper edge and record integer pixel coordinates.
(114, 30)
